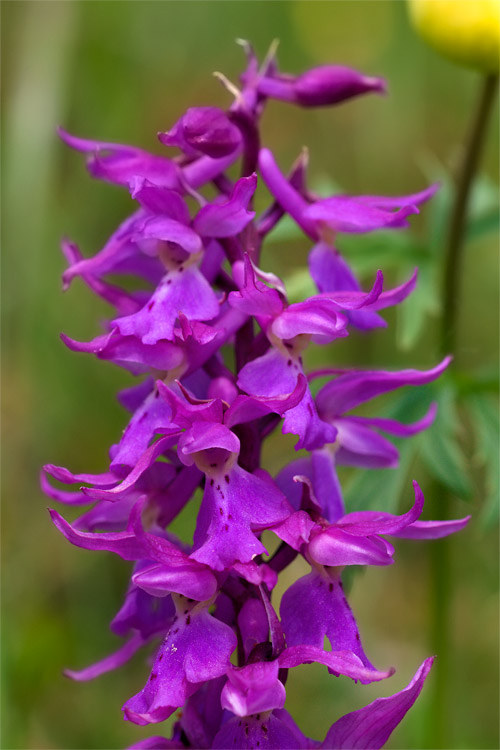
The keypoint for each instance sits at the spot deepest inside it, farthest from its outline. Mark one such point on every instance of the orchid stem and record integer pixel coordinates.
(441, 589)
(456, 236)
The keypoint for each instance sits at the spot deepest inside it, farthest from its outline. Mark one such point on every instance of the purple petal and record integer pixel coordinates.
(248, 408)
(192, 580)
(331, 273)
(388, 524)
(254, 297)
(316, 316)
(123, 543)
(315, 606)
(285, 194)
(353, 388)
(169, 230)
(340, 662)
(153, 413)
(332, 84)
(157, 743)
(228, 218)
(361, 446)
(336, 547)
(295, 530)
(398, 202)
(120, 164)
(265, 732)
(432, 529)
(142, 612)
(113, 661)
(187, 410)
(119, 248)
(253, 624)
(393, 426)
(344, 214)
(62, 496)
(371, 726)
(124, 302)
(159, 200)
(233, 507)
(204, 129)
(253, 689)
(216, 439)
(182, 663)
(129, 352)
(183, 290)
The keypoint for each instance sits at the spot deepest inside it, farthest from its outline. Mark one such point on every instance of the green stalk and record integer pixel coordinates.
(441, 579)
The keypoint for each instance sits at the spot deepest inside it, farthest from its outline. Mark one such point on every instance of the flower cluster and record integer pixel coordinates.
(220, 350)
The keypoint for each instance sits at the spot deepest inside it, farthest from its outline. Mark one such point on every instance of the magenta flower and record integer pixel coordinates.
(219, 352)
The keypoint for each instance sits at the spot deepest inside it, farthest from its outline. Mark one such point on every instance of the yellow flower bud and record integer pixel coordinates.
(466, 31)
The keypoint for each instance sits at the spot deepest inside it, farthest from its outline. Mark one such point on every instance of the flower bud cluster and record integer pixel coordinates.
(219, 348)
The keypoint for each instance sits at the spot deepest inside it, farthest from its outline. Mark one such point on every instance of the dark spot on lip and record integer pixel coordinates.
(188, 619)
(211, 483)
(221, 511)
(157, 393)
(226, 477)
(169, 281)
(330, 587)
(357, 637)
(229, 518)
(246, 730)
(160, 657)
(258, 717)
(264, 729)
(153, 675)
(226, 527)
(177, 629)
(289, 362)
(218, 487)
(212, 466)
(151, 305)
(181, 269)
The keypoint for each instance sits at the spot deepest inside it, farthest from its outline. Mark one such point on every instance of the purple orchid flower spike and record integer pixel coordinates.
(218, 348)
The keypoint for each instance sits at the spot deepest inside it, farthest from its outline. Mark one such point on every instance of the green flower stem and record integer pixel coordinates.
(458, 219)
(440, 561)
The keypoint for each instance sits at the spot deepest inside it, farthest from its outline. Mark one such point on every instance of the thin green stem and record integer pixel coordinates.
(441, 579)
(458, 219)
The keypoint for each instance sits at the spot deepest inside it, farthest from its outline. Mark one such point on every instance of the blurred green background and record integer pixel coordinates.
(121, 71)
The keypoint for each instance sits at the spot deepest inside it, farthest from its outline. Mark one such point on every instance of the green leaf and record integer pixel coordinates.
(412, 314)
(486, 425)
(441, 449)
(484, 224)
(381, 250)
